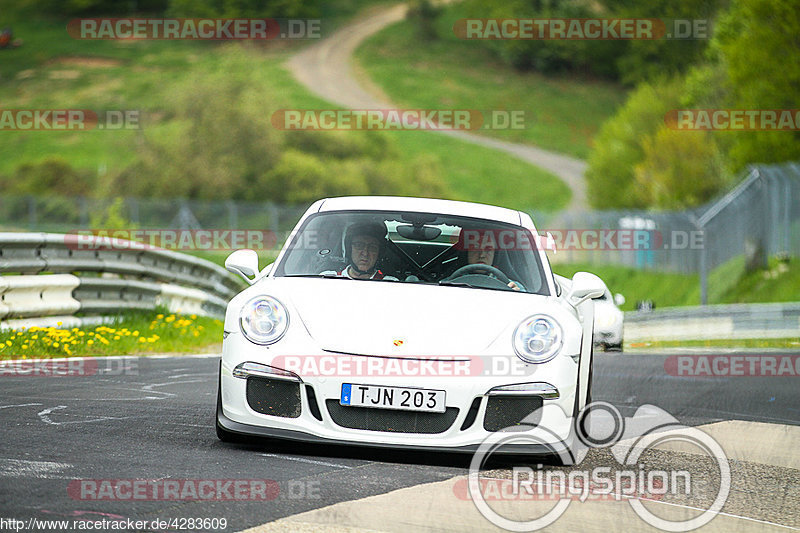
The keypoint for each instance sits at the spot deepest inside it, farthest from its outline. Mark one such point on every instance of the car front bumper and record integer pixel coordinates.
(463, 431)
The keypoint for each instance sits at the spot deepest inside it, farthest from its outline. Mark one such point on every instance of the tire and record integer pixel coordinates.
(583, 424)
(614, 347)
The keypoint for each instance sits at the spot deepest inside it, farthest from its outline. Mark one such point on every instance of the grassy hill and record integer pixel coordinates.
(53, 71)
(562, 113)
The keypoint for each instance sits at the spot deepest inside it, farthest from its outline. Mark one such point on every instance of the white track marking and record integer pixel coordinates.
(32, 469)
(19, 405)
(304, 460)
(44, 416)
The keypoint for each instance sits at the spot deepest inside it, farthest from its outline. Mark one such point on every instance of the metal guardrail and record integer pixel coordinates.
(729, 321)
(59, 276)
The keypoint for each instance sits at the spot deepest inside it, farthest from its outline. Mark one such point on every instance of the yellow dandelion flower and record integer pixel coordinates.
(159, 316)
(24, 346)
(116, 337)
(90, 342)
(142, 339)
(55, 345)
(136, 333)
(81, 334)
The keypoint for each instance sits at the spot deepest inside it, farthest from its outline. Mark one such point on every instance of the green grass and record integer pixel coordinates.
(562, 113)
(789, 342)
(53, 71)
(727, 283)
(130, 333)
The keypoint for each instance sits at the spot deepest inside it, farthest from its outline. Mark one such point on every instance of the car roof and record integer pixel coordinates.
(424, 205)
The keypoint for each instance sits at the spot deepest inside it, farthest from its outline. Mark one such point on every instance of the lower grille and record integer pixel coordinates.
(274, 397)
(389, 420)
(506, 411)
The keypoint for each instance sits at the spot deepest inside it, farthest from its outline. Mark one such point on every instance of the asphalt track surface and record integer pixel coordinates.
(152, 418)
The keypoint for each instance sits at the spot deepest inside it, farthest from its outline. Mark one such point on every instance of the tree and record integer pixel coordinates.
(680, 169)
(757, 43)
(619, 146)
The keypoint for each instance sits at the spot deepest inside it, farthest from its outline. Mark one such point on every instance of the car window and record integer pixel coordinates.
(420, 248)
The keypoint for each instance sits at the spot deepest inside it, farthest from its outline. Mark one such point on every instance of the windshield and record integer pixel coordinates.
(410, 247)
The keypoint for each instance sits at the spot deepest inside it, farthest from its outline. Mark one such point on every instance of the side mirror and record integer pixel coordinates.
(244, 263)
(584, 287)
(619, 299)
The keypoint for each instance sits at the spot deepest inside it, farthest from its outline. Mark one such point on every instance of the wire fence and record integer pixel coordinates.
(757, 219)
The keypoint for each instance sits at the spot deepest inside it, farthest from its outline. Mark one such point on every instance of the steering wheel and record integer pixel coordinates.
(479, 268)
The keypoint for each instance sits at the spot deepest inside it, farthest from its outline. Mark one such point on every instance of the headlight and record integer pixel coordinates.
(538, 339)
(606, 320)
(263, 320)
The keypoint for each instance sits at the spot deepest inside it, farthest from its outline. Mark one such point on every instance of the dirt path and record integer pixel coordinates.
(326, 69)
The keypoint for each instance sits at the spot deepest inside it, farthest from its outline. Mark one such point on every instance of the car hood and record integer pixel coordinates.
(405, 320)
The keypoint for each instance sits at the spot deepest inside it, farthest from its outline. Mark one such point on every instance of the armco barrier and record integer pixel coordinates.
(730, 321)
(56, 277)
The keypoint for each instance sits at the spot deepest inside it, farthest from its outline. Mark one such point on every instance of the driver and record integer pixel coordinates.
(363, 244)
(484, 254)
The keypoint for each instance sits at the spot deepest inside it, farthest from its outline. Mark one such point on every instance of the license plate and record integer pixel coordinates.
(408, 399)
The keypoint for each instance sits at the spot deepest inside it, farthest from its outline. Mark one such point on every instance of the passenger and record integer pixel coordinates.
(363, 244)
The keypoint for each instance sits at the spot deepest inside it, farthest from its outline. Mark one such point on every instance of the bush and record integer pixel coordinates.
(423, 14)
(619, 147)
(244, 8)
(756, 45)
(51, 177)
(680, 169)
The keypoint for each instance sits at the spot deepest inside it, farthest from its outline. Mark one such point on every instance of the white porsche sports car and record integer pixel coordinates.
(408, 323)
(608, 317)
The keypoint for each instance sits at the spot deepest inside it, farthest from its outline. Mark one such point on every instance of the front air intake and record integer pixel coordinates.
(276, 397)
